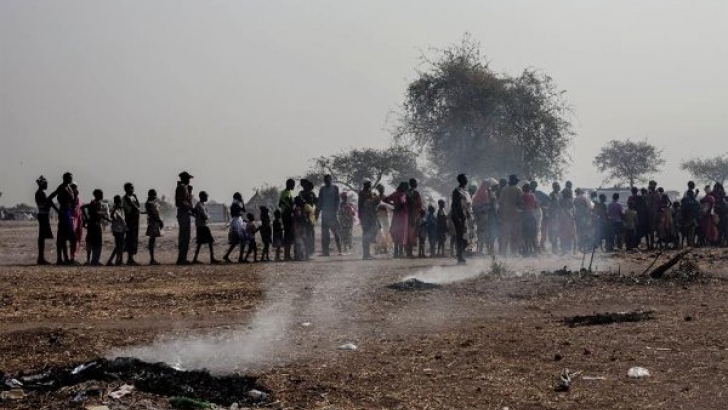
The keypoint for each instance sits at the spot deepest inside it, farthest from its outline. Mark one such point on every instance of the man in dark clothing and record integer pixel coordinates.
(460, 213)
(132, 214)
(44, 223)
(309, 202)
(183, 202)
(65, 233)
(328, 209)
(285, 204)
(414, 211)
(368, 202)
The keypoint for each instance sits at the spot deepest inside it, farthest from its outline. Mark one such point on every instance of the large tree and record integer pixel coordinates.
(707, 169)
(467, 118)
(381, 166)
(628, 161)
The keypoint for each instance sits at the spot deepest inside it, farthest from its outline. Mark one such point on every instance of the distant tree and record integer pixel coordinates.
(628, 161)
(469, 119)
(381, 166)
(707, 169)
(270, 195)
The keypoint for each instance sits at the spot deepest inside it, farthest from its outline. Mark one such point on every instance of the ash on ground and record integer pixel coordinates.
(412, 284)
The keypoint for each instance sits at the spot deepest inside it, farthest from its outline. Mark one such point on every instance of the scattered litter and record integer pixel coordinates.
(565, 380)
(257, 394)
(234, 406)
(413, 284)
(123, 391)
(348, 346)
(427, 371)
(94, 407)
(13, 383)
(609, 318)
(306, 324)
(638, 372)
(593, 378)
(14, 394)
(78, 369)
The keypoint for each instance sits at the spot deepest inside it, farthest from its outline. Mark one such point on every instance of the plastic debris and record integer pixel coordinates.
(348, 346)
(638, 372)
(565, 380)
(78, 369)
(593, 378)
(13, 383)
(14, 394)
(306, 324)
(95, 407)
(183, 403)
(257, 394)
(123, 391)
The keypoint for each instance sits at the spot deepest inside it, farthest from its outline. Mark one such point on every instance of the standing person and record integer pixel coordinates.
(554, 212)
(277, 234)
(383, 239)
(582, 216)
(528, 220)
(77, 223)
(460, 213)
(251, 229)
(690, 208)
(630, 224)
(183, 202)
(615, 215)
(510, 211)
(368, 201)
(237, 234)
(567, 223)
(400, 219)
(300, 229)
(346, 221)
(204, 235)
(414, 214)
(118, 229)
(542, 201)
(65, 234)
(442, 228)
(309, 206)
(431, 227)
(154, 223)
(708, 227)
(266, 233)
(132, 212)
(285, 204)
(43, 216)
(653, 202)
(481, 203)
(600, 221)
(95, 212)
(422, 235)
(328, 209)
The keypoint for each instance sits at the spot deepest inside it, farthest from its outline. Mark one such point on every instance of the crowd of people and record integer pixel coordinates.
(505, 217)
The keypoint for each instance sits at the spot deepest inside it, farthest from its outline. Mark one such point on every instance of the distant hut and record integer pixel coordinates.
(254, 203)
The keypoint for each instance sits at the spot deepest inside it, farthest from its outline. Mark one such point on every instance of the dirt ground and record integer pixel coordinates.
(478, 341)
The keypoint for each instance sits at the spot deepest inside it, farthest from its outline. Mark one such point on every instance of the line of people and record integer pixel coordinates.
(517, 218)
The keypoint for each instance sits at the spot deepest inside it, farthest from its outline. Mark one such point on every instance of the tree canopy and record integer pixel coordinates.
(708, 169)
(381, 166)
(469, 119)
(628, 161)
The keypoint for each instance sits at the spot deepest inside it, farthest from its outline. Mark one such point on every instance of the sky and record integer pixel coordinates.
(242, 93)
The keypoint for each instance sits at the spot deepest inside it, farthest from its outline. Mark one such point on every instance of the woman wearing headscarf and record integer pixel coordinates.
(400, 219)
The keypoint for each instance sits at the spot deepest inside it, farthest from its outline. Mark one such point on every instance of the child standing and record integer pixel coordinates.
(154, 223)
(277, 233)
(250, 230)
(422, 234)
(204, 236)
(118, 228)
(236, 235)
(442, 228)
(266, 233)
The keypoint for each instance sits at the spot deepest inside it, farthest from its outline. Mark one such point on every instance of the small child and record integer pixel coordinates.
(266, 233)
(237, 234)
(95, 212)
(422, 235)
(204, 235)
(250, 230)
(442, 227)
(118, 228)
(431, 228)
(277, 233)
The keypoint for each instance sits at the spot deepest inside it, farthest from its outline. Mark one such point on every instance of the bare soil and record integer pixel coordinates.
(485, 342)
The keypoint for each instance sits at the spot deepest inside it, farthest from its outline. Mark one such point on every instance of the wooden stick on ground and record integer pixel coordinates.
(653, 263)
(659, 271)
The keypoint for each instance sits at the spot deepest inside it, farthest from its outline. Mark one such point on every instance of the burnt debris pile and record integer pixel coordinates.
(609, 318)
(413, 284)
(155, 378)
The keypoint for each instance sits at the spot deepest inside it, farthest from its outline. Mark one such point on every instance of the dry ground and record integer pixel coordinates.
(487, 342)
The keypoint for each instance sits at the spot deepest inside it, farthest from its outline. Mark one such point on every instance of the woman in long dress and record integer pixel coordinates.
(400, 219)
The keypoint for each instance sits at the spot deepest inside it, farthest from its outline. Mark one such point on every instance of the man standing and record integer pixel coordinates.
(460, 213)
(414, 205)
(44, 223)
(183, 202)
(510, 206)
(285, 204)
(653, 201)
(132, 214)
(368, 202)
(328, 208)
(65, 227)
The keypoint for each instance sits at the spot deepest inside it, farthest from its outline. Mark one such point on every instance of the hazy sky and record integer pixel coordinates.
(245, 92)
